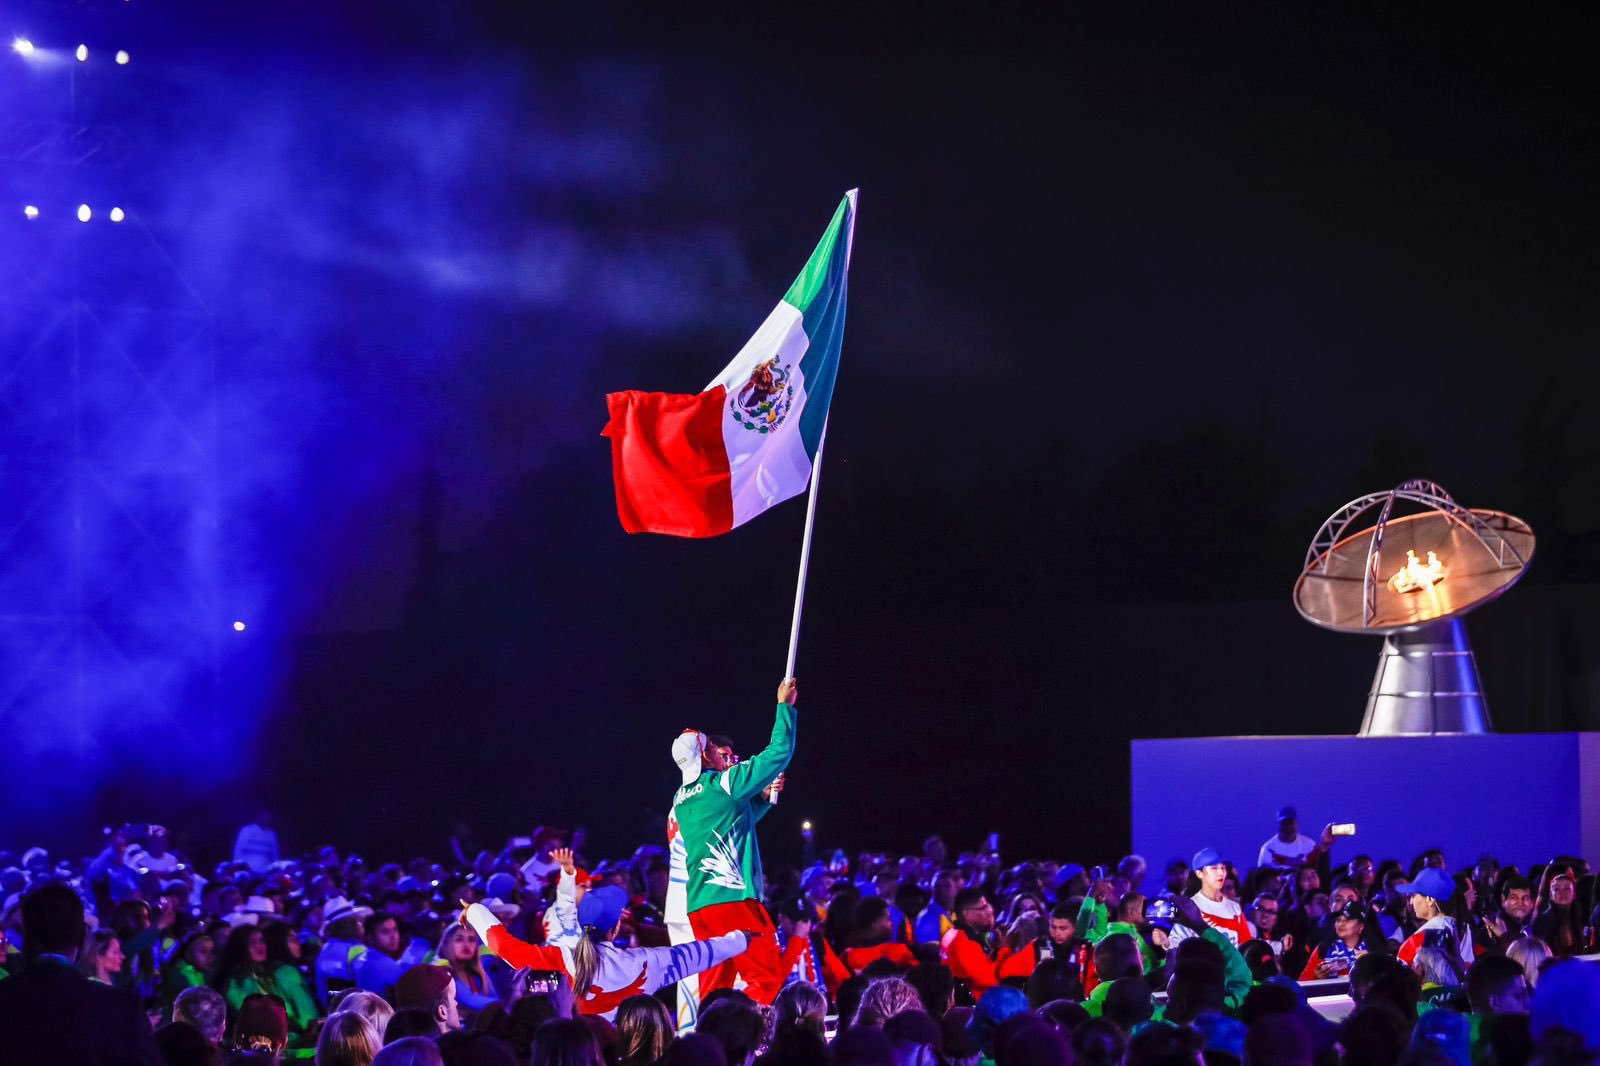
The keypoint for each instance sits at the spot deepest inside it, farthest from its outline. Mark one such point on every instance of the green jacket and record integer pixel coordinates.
(717, 814)
(297, 998)
(285, 982)
(1094, 926)
(179, 975)
(1236, 979)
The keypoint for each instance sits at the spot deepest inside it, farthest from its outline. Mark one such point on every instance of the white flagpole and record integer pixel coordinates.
(805, 551)
(805, 562)
(811, 497)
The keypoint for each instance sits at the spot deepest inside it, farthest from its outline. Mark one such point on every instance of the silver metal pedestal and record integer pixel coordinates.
(1427, 682)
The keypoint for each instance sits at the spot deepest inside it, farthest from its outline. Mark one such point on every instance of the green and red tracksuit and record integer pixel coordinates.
(713, 828)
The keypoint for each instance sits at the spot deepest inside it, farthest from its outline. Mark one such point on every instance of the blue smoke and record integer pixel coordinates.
(308, 307)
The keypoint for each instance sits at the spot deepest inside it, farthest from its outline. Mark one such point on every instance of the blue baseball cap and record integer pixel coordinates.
(1067, 872)
(1430, 882)
(814, 873)
(602, 907)
(1206, 857)
(1287, 812)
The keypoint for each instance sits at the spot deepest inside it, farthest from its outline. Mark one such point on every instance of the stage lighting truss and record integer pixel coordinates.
(131, 357)
(63, 144)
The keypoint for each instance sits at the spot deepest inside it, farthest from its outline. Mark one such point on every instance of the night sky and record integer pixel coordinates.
(1138, 298)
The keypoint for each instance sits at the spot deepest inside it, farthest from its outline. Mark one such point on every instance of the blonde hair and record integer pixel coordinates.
(1529, 952)
(347, 1039)
(585, 962)
(471, 973)
(371, 1006)
(884, 998)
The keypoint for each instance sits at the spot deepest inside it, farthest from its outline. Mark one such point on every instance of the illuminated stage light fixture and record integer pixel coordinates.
(22, 46)
(122, 58)
(82, 53)
(30, 212)
(84, 214)
(1456, 558)
(238, 627)
(117, 214)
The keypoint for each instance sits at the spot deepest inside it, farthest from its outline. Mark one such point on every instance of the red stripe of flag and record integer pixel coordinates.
(669, 462)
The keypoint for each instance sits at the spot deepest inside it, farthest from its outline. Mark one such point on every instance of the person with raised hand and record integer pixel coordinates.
(712, 845)
(587, 922)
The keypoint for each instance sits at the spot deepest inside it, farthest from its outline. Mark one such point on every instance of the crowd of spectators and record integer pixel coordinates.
(140, 954)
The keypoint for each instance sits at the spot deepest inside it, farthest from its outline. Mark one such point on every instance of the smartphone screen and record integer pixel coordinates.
(544, 981)
(1344, 829)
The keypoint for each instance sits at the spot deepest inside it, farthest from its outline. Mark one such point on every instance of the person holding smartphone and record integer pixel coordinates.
(1290, 848)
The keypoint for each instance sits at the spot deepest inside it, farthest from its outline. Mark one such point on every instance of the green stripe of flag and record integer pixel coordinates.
(814, 276)
(821, 293)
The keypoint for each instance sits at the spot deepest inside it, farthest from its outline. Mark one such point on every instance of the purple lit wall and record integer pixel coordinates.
(1526, 798)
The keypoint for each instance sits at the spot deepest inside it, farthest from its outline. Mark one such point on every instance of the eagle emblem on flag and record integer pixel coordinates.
(762, 403)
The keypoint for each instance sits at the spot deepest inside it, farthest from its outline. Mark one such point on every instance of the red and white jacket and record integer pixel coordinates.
(622, 972)
(1223, 915)
(1466, 950)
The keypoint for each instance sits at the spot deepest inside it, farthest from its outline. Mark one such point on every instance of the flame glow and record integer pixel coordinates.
(1416, 575)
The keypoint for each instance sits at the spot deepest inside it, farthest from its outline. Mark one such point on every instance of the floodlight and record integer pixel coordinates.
(30, 212)
(122, 58)
(22, 46)
(82, 53)
(117, 214)
(84, 214)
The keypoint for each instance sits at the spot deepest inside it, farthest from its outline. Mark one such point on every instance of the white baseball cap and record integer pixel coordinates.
(687, 752)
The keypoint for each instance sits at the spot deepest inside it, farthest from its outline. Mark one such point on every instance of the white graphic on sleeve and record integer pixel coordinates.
(723, 864)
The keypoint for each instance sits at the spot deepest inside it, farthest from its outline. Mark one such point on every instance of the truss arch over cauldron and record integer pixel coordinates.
(1410, 577)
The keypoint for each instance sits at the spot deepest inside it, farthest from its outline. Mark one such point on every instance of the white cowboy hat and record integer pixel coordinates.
(261, 907)
(337, 907)
(501, 909)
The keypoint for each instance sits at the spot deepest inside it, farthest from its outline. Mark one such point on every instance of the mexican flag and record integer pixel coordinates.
(695, 465)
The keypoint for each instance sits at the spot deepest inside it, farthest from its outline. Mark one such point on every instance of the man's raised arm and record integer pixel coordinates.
(744, 780)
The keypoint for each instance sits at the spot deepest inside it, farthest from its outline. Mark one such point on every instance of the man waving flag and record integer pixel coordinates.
(696, 465)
